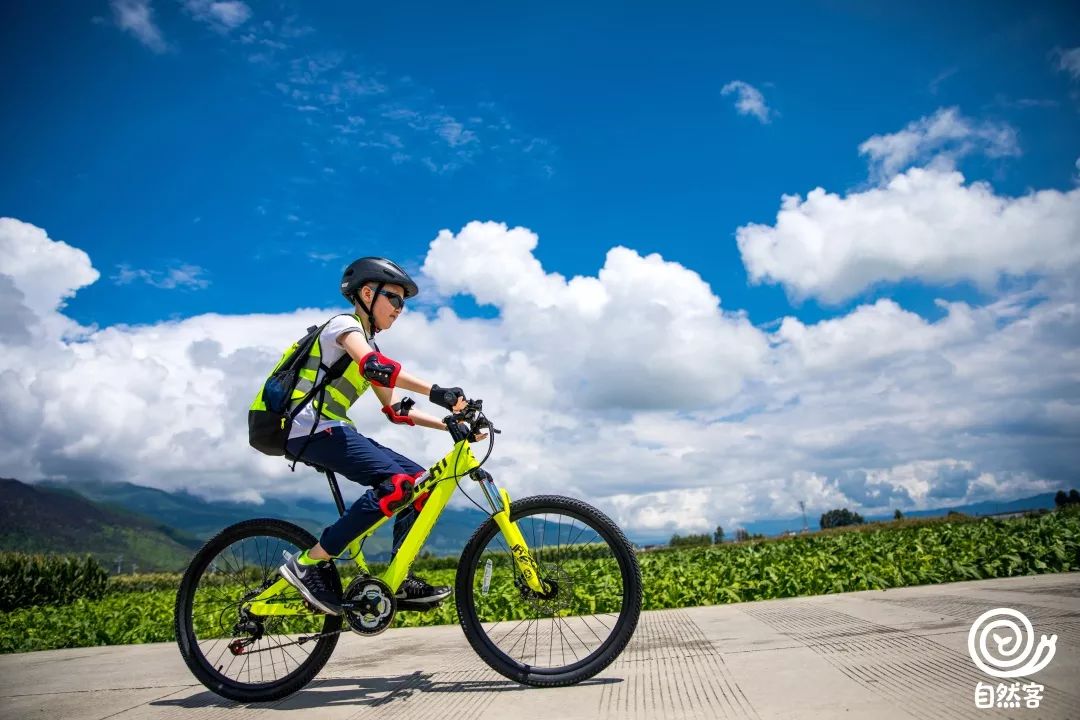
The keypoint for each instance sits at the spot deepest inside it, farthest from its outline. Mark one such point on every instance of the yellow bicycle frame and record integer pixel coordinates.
(439, 480)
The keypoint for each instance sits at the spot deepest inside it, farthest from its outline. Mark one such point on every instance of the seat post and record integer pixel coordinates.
(335, 490)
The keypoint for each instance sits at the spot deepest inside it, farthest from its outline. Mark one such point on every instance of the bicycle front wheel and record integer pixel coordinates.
(580, 626)
(235, 653)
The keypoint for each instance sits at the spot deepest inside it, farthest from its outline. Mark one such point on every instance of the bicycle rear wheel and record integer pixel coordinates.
(586, 620)
(238, 655)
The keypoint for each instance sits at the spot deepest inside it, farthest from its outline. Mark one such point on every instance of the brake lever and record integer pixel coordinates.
(483, 422)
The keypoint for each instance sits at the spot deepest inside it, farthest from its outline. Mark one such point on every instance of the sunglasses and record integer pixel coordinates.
(396, 301)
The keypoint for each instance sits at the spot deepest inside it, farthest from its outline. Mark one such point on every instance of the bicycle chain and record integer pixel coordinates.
(303, 639)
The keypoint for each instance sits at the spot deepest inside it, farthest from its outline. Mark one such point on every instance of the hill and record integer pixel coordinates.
(192, 514)
(202, 519)
(37, 519)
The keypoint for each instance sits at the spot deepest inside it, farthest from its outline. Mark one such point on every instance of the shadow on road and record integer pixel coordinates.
(372, 691)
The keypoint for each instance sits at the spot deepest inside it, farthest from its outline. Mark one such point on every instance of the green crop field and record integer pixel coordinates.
(139, 608)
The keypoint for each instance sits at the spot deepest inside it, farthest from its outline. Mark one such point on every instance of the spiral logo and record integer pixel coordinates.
(1001, 643)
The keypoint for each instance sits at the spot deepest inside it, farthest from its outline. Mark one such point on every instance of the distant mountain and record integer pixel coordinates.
(202, 519)
(192, 514)
(1035, 502)
(182, 521)
(36, 519)
(779, 526)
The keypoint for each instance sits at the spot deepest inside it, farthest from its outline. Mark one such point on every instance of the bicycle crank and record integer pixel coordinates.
(368, 605)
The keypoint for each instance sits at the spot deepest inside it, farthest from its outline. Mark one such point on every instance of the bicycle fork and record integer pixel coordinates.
(499, 501)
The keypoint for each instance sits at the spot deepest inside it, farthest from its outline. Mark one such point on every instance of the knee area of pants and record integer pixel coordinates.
(396, 492)
(394, 484)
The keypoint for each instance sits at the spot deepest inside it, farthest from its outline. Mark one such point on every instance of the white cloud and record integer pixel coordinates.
(453, 132)
(46, 272)
(1069, 61)
(137, 18)
(183, 275)
(662, 408)
(750, 101)
(941, 77)
(869, 333)
(222, 16)
(942, 138)
(925, 224)
(574, 323)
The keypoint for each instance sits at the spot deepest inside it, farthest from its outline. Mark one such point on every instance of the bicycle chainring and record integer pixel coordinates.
(368, 605)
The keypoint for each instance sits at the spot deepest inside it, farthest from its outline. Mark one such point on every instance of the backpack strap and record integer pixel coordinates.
(330, 374)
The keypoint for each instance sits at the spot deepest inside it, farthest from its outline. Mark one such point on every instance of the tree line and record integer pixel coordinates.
(837, 517)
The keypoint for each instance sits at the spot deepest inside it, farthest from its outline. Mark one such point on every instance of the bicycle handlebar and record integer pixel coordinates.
(473, 417)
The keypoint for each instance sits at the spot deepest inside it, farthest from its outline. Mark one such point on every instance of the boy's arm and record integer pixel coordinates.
(358, 348)
(386, 399)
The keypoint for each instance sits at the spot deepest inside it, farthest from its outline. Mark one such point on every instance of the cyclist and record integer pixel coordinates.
(377, 288)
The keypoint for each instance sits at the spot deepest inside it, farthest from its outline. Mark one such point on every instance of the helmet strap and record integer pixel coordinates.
(370, 311)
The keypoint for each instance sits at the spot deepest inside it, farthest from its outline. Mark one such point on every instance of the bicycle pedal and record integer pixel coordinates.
(405, 605)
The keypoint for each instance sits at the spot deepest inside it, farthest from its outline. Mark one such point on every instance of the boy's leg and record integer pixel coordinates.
(363, 461)
(407, 517)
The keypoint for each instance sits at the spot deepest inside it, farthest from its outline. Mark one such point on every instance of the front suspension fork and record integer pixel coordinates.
(499, 500)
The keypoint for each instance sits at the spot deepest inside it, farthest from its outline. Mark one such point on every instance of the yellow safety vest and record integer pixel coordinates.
(340, 393)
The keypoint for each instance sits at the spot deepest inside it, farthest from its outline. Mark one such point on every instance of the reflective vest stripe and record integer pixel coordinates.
(332, 409)
(344, 393)
(340, 394)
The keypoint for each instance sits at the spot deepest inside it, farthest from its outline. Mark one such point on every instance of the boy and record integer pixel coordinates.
(377, 288)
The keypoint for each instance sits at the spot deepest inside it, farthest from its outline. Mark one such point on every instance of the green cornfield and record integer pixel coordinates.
(139, 608)
(31, 580)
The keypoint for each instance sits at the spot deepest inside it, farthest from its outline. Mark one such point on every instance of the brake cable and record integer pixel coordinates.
(482, 421)
(491, 446)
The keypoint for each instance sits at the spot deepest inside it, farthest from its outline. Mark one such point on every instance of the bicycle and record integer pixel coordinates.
(586, 585)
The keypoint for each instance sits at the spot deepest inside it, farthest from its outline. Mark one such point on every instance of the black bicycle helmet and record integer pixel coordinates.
(374, 270)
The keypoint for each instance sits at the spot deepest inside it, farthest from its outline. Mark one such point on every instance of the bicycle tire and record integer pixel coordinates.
(184, 622)
(624, 627)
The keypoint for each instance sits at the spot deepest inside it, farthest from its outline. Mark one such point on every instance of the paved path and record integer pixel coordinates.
(893, 654)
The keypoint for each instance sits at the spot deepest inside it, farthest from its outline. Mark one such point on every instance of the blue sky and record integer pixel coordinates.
(885, 197)
(195, 155)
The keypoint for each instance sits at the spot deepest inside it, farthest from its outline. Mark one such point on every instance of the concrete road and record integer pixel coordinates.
(880, 654)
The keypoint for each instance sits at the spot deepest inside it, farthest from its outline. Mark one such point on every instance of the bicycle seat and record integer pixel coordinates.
(309, 463)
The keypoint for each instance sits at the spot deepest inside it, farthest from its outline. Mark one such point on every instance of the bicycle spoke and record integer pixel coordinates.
(564, 643)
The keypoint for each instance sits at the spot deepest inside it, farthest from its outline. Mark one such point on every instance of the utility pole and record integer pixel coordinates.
(802, 506)
(119, 561)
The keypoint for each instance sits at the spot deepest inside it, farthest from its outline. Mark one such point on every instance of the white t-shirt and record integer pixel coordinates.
(331, 353)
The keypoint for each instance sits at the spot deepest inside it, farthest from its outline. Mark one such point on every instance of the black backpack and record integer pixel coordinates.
(269, 418)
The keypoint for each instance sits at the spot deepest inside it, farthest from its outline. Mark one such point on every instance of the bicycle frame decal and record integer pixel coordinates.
(516, 541)
(440, 481)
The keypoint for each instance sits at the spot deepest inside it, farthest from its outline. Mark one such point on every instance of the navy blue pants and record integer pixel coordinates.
(364, 461)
